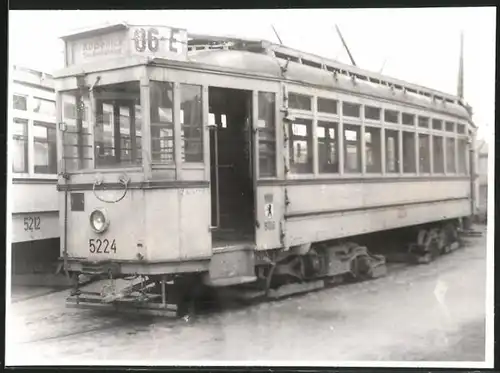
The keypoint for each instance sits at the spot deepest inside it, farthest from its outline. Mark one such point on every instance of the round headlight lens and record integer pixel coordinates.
(98, 221)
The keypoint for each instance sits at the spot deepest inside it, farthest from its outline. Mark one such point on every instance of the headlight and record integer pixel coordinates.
(99, 221)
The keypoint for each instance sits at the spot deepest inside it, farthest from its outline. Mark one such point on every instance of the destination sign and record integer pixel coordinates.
(129, 40)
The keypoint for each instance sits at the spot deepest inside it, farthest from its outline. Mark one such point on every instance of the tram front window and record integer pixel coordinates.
(118, 123)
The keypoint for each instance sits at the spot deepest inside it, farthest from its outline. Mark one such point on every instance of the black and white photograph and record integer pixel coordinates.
(251, 187)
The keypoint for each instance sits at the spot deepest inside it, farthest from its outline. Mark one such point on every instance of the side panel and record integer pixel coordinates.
(323, 227)
(270, 215)
(35, 226)
(162, 228)
(34, 197)
(321, 212)
(194, 217)
(345, 194)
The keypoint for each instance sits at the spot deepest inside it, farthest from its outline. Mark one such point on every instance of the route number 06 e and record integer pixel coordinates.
(98, 246)
(146, 39)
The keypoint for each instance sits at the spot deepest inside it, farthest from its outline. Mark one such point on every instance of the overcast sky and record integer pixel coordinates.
(419, 45)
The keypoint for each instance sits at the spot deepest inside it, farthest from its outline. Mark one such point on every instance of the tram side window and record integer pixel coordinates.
(20, 146)
(77, 149)
(408, 119)
(162, 122)
(409, 165)
(352, 149)
(391, 116)
(327, 147)
(191, 122)
(423, 122)
(372, 113)
(327, 106)
(424, 153)
(373, 149)
(20, 103)
(391, 151)
(462, 156)
(351, 110)
(450, 155)
(267, 134)
(437, 124)
(438, 154)
(450, 127)
(45, 148)
(301, 146)
(300, 102)
(117, 132)
(45, 107)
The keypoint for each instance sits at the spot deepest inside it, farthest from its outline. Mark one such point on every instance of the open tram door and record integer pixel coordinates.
(232, 179)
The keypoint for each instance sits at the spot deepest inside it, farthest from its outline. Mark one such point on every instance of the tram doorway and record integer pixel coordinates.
(231, 166)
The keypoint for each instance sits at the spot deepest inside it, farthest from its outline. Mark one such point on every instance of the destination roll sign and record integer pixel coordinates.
(124, 40)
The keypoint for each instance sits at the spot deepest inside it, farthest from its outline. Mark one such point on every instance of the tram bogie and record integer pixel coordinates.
(217, 169)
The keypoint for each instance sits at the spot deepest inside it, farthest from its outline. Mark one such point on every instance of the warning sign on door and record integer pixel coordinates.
(269, 210)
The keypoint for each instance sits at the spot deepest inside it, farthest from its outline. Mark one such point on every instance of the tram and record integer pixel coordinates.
(34, 197)
(198, 162)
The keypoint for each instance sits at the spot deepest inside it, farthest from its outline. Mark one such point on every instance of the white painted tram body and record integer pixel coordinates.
(32, 144)
(233, 160)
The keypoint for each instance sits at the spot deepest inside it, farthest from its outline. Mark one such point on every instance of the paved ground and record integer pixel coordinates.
(422, 313)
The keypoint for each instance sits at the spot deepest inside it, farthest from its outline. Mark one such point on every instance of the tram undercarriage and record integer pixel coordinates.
(278, 274)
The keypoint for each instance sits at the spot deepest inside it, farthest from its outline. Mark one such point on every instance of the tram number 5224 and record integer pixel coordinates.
(98, 246)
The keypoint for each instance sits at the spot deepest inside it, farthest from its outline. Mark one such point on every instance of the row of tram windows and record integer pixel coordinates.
(118, 124)
(420, 136)
(33, 131)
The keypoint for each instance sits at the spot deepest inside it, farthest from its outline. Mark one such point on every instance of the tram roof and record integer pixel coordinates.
(267, 65)
(281, 51)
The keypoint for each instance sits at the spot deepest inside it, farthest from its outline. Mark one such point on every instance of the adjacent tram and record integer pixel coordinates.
(35, 212)
(197, 162)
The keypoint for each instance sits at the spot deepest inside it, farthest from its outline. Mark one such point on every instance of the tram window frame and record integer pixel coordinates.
(409, 161)
(450, 155)
(301, 167)
(41, 109)
(166, 101)
(408, 119)
(461, 128)
(374, 146)
(192, 133)
(20, 138)
(325, 106)
(424, 149)
(48, 142)
(17, 99)
(369, 110)
(391, 116)
(351, 109)
(462, 150)
(266, 130)
(118, 96)
(437, 124)
(423, 122)
(357, 146)
(392, 134)
(438, 154)
(298, 101)
(328, 146)
(76, 138)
